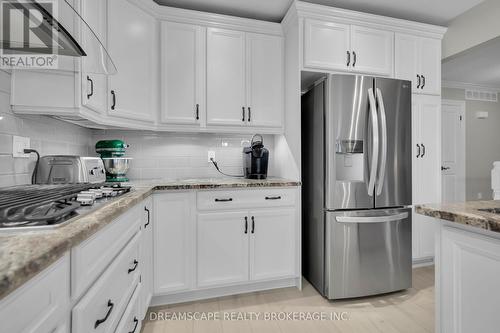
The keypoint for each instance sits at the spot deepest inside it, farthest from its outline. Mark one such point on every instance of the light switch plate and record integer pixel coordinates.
(19, 143)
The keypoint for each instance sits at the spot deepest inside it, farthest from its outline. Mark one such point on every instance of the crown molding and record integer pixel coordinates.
(208, 19)
(309, 10)
(469, 86)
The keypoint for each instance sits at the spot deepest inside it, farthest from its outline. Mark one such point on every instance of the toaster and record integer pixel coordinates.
(69, 169)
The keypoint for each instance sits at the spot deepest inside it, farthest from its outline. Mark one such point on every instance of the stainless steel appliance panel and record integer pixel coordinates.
(394, 187)
(350, 122)
(367, 252)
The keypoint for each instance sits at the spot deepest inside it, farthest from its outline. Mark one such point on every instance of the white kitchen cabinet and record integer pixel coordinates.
(173, 241)
(272, 243)
(327, 45)
(426, 123)
(348, 48)
(132, 44)
(265, 75)
(418, 59)
(183, 73)
(372, 50)
(222, 248)
(147, 264)
(226, 79)
(94, 85)
(42, 304)
(244, 79)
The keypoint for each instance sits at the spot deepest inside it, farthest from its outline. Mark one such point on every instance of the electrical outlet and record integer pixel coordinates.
(480, 195)
(19, 144)
(211, 154)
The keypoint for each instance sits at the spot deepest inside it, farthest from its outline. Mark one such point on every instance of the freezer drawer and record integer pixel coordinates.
(367, 252)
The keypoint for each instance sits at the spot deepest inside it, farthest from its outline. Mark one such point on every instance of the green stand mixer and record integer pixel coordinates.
(111, 152)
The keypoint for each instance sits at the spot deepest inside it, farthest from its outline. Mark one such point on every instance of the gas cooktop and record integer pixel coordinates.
(47, 206)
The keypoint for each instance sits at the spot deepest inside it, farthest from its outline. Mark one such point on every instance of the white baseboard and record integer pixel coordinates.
(196, 295)
(423, 262)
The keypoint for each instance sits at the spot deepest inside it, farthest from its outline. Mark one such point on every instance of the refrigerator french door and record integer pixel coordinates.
(356, 157)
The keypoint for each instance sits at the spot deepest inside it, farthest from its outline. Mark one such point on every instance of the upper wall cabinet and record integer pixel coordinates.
(418, 59)
(244, 79)
(132, 44)
(182, 73)
(347, 48)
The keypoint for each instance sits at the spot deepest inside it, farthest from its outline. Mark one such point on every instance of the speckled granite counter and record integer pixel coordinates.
(24, 254)
(466, 213)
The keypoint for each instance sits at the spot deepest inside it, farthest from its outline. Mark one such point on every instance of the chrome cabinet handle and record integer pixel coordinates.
(348, 58)
(223, 200)
(197, 111)
(136, 321)
(274, 198)
(253, 225)
(149, 216)
(100, 321)
(249, 114)
(423, 82)
(243, 111)
(418, 84)
(423, 150)
(113, 105)
(246, 225)
(91, 87)
(355, 59)
(136, 263)
(418, 154)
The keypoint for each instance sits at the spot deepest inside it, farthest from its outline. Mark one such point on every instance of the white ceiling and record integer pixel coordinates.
(479, 65)
(429, 11)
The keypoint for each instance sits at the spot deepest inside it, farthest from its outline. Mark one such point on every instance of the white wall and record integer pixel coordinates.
(48, 136)
(472, 28)
(482, 144)
(160, 155)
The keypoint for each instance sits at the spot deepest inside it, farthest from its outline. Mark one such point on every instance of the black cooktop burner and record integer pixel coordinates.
(43, 205)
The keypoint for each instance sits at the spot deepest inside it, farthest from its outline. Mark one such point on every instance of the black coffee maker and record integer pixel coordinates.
(255, 159)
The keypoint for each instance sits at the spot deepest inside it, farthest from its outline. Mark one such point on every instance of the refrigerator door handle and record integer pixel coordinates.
(383, 155)
(374, 162)
(372, 219)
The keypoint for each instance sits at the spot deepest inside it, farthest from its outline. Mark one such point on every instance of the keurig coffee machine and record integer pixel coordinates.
(255, 159)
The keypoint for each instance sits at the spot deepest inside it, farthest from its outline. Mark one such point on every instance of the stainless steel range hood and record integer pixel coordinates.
(51, 27)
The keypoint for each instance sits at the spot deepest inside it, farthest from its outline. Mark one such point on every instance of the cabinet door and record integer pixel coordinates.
(372, 50)
(132, 45)
(173, 241)
(326, 45)
(405, 61)
(225, 77)
(94, 83)
(182, 75)
(146, 290)
(222, 248)
(265, 80)
(272, 243)
(430, 65)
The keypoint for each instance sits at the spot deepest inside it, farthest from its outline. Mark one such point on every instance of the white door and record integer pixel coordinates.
(272, 243)
(182, 74)
(173, 241)
(226, 103)
(222, 248)
(453, 151)
(146, 261)
(430, 65)
(405, 60)
(94, 81)
(372, 50)
(265, 88)
(326, 45)
(132, 43)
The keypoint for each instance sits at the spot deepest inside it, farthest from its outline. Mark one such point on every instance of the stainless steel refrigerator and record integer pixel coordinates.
(356, 173)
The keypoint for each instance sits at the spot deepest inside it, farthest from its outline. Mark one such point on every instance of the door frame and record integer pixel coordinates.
(461, 169)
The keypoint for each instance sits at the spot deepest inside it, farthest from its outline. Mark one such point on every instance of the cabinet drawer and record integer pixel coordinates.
(236, 199)
(131, 319)
(41, 305)
(101, 308)
(90, 258)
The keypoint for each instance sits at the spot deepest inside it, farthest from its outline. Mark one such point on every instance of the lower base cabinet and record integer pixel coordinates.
(423, 234)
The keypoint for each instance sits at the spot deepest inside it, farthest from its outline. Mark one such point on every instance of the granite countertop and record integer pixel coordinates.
(466, 213)
(23, 254)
